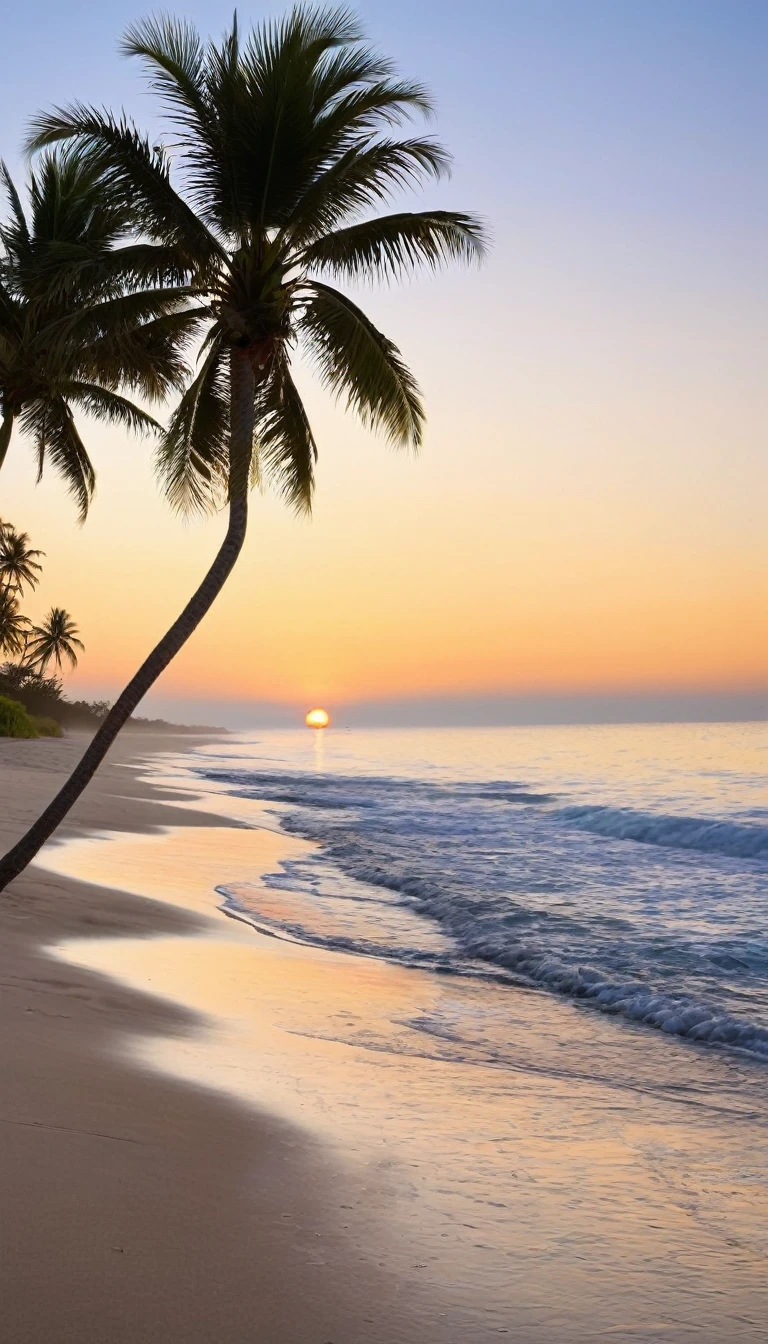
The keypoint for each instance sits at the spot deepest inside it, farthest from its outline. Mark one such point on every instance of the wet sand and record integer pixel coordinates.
(137, 1208)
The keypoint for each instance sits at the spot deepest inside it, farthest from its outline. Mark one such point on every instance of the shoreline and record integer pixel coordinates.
(298, 1156)
(137, 1206)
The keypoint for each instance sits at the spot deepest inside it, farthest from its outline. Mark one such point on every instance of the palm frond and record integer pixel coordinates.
(71, 273)
(175, 55)
(14, 626)
(119, 340)
(51, 425)
(123, 311)
(370, 106)
(14, 235)
(392, 244)
(357, 362)
(11, 314)
(109, 406)
(285, 451)
(366, 175)
(71, 202)
(192, 456)
(128, 162)
(147, 359)
(355, 67)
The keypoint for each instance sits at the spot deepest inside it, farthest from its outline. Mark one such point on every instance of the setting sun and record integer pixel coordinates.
(317, 718)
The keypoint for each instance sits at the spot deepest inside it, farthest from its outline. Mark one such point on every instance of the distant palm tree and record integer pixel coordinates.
(281, 147)
(19, 567)
(74, 333)
(14, 627)
(53, 641)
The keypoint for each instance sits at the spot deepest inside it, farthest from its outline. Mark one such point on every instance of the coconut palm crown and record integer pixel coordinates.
(53, 641)
(20, 566)
(85, 316)
(283, 147)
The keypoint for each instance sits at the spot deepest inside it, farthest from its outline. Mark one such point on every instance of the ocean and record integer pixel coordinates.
(623, 868)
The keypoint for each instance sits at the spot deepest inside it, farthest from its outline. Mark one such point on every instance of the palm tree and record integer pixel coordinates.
(14, 627)
(19, 565)
(80, 322)
(281, 148)
(53, 641)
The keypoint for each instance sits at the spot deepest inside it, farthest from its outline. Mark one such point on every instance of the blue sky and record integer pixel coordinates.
(634, 115)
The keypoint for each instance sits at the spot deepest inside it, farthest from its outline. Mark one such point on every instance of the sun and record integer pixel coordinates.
(317, 718)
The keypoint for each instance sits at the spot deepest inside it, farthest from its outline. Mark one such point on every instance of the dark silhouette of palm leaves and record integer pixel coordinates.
(19, 562)
(53, 641)
(282, 144)
(14, 627)
(74, 333)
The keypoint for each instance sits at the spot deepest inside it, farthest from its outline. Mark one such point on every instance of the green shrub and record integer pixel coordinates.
(14, 719)
(46, 727)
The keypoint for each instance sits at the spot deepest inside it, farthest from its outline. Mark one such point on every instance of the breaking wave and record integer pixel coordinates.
(737, 840)
(501, 879)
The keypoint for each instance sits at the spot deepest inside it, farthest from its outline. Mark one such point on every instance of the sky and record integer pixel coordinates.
(583, 533)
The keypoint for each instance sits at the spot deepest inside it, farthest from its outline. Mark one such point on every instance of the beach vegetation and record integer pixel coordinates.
(14, 719)
(45, 727)
(284, 146)
(44, 698)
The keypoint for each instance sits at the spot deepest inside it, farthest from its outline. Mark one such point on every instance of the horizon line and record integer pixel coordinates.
(478, 711)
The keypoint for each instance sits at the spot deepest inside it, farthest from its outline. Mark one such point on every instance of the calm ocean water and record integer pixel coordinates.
(623, 867)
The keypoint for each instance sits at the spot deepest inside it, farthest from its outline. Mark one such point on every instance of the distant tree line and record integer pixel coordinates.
(25, 677)
(32, 650)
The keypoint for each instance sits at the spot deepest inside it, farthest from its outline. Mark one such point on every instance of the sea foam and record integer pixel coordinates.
(656, 917)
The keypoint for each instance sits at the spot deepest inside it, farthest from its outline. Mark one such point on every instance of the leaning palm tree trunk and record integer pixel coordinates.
(241, 447)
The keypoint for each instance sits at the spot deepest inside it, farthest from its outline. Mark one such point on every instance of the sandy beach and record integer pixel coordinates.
(136, 1208)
